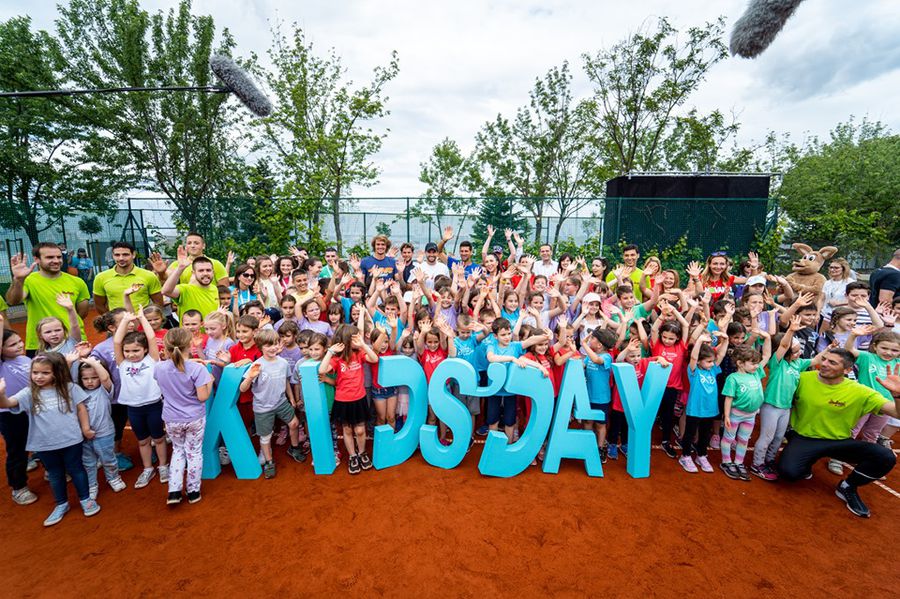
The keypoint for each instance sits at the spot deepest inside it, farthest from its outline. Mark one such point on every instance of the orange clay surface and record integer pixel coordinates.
(416, 530)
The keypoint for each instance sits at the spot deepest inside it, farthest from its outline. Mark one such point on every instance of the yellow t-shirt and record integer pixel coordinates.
(112, 285)
(831, 411)
(40, 301)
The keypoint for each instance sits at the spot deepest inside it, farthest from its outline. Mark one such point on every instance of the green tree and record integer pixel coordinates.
(638, 85)
(47, 158)
(181, 144)
(321, 130)
(502, 213)
(90, 226)
(844, 191)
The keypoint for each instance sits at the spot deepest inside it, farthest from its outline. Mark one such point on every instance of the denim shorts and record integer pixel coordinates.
(382, 393)
(146, 421)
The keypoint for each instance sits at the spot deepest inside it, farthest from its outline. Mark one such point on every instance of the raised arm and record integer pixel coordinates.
(119, 335)
(447, 236)
(170, 287)
(485, 249)
(20, 269)
(785, 346)
(65, 301)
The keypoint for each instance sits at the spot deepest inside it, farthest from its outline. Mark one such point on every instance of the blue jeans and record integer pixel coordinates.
(100, 449)
(59, 461)
(508, 403)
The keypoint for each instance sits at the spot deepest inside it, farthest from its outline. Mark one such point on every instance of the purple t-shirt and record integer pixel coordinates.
(317, 326)
(179, 390)
(214, 346)
(17, 373)
(292, 355)
(104, 352)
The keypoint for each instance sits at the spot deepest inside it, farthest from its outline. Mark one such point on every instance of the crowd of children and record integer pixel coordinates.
(735, 345)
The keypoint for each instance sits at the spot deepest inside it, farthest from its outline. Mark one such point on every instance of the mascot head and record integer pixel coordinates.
(811, 261)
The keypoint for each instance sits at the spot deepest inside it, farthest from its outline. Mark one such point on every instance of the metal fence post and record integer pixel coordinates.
(407, 222)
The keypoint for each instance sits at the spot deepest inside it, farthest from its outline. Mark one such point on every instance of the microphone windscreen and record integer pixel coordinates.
(759, 25)
(239, 83)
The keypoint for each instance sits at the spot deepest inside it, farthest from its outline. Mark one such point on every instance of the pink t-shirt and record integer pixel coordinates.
(674, 354)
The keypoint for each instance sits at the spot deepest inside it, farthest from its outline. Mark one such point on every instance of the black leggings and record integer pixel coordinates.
(119, 415)
(702, 427)
(667, 412)
(618, 428)
(14, 428)
(872, 460)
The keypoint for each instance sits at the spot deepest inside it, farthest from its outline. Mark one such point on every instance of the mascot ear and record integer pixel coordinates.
(828, 251)
(802, 248)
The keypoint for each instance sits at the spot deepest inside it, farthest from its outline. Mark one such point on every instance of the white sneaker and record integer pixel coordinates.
(57, 514)
(835, 467)
(262, 458)
(92, 491)
(163, 474)
(24, 496)
(145, 477)
(117, 484)
(32, 464)
(224, 458)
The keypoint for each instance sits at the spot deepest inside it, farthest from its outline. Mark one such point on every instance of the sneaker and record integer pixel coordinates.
(24, 496)
(742, 472)
(730, 470)
(32, 464)
(688, 464)
(57, 514)
(269, 469)
(117, 484)
(282, 436)
(145, 477)
(224, 458)
(92, 491)
(306, 447)
(835, 467)
(763, 472)
(613, 452)
(885, 442)
(353, 466)
(603, 455)
(715, 442)
(261, 458)
(851, 498)
(704, 464)
(365, 461)
(669, 450)
(482, 430)
(174, 498)
(297, 454)
(124, 462)
(623, 449)
(163, 474)
(193, 496)
(89, 507)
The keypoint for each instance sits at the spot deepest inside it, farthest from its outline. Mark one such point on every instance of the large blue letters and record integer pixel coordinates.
(389, 449)
(641, 405)
(223, 421)
(567, 443)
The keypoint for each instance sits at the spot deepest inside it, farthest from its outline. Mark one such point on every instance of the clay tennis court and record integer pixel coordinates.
(415, 530)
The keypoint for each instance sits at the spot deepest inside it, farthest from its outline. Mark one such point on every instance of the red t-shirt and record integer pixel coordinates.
(545, 361)
(639, 371)
(159, 340)
(430, 360)
(350, 384)
(675, 356)
(374, 368)
(239, 352)
(719, 289)
(559, 370)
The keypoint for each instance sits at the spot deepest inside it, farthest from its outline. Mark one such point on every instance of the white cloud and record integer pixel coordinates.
(462, 62)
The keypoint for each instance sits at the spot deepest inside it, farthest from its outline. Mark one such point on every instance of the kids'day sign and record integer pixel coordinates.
(549, 420)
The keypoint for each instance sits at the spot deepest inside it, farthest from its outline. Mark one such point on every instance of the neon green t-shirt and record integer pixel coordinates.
(635, 278)
(3, 305)
(872, 367)
(40, 301)
(783, 379)
(194, 297)
(112, 285)
(831, 411)
(746, 390)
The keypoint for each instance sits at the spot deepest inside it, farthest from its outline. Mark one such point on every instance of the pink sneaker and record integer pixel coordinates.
(688, 464)
(704, 463)
(715, 442)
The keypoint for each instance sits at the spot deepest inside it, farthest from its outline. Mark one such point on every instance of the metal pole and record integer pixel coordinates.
(407, 223)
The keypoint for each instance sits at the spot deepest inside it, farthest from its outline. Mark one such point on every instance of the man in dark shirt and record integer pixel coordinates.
(885, 282)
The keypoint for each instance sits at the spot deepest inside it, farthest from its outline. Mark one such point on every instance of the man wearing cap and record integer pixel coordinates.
(465, 252)
(547, 266)
(432, 267)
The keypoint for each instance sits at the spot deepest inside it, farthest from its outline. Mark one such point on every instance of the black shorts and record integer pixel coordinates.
(146, 421)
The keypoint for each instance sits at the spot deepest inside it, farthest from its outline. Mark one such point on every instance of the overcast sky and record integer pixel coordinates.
(464, 61)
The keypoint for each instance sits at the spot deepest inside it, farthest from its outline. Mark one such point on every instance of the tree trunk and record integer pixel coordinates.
(559, 224)
(336, 216)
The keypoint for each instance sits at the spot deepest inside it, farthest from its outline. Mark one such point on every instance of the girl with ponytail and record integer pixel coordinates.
(185, 385)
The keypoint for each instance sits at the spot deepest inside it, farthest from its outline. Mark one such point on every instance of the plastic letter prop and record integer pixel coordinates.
(317, 421)
(223, 421)
(390, 449)
(641, 405)
(503, 460)
(451, 411)
(567, 443)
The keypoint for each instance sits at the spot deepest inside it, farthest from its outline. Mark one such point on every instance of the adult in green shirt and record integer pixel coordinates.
(38, 290)
(110, 285)
(826, 408)
(194, 245)
(630, 255)
(201, 294)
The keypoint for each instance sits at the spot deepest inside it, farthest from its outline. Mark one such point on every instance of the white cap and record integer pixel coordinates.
(591, 297)
(756, 280)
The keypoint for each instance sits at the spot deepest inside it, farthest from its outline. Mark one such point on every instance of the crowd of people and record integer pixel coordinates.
(744, 352)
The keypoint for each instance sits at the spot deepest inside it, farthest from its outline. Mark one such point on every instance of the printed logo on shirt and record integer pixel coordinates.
(836, 403)
(135, 370)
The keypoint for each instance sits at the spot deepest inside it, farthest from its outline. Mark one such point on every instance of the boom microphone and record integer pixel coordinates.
(759, 25)
(239, 83)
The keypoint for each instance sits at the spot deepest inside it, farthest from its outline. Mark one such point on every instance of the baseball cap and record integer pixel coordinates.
(497, 250)
(756, 280)
(430, 247)
(591, 297)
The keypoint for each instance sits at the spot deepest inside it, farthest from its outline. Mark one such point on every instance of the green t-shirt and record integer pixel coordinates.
(219, 272)
(638, 311)
(870, 367)
(635, 278)
(194, 297)
(746, 390)
(40, 301)
(3, 305)
(831, 411)
(112, 285)
(783, 378)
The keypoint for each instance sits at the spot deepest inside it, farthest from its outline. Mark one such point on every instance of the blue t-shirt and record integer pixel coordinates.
(381, 319)
(481, 362)
(514, 349)
(370, 262)
(512, 317)
(597, 376)
(466, 349)
(703, 398)
(451, 261)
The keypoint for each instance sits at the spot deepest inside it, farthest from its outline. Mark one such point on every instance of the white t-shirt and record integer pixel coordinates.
(548, 270)
(431, 272)
(833, 290)
(139, 387)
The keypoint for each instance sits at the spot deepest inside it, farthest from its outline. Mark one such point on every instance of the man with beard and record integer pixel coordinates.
(431, 266)
(194, 245)
(465, 253)
(201, 294)
(827, 406)
(110, 285)
(38, 290)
